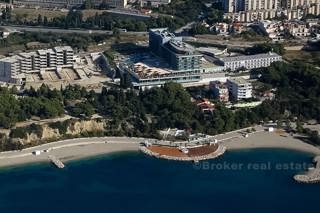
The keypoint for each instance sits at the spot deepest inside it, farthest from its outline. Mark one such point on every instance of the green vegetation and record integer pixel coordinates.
(298, 88)
(251, 35)
(14, 109)
(79, 41)
(21, 132)
(142, 113)
(106, 21)
(265, 48)
(188, 10)
(61, 126)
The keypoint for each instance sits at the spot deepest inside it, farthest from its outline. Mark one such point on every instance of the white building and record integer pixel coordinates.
(154, 3)
(272, 28)
(239, 88)
(249, 61)
(12, 68)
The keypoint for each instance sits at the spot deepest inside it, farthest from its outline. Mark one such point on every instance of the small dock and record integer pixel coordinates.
(56, 162)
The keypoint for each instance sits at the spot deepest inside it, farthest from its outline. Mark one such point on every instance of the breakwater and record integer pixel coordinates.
(311, 176)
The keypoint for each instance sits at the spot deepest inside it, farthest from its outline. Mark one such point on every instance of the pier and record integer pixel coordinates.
(312, 176)
(56, 161)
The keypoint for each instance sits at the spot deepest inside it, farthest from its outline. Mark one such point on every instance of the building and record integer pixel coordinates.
(249, 61)
(154, 3)
(239, 88)
(204, 105)
(234, 6)
(257, 10)
(298, 29)
(70, 3)
(171, 60)
(179, 55)
(292, 4)
(220, 91)
(272, 28)
(12, 68)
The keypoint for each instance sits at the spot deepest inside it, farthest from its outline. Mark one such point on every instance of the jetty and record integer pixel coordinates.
(312, 176)
(58, 163)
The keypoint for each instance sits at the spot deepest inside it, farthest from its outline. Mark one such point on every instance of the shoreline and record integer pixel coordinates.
(267, 140)
(70, 150)
(83, 148)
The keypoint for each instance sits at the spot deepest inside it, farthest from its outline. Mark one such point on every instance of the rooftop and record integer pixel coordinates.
(239, 81)
(144, 70)
(249, 57)
(181, 47)
(163, 32)
(62, 48)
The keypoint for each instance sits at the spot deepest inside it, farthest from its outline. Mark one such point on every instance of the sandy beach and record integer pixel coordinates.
(78, 148)
(71, 149)
(264, 139)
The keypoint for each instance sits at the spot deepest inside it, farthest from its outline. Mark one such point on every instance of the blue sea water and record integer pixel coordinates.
(245, 181)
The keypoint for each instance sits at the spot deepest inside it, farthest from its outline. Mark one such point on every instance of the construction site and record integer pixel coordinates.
(86, 71)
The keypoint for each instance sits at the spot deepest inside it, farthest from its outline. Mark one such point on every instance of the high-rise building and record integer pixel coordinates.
(293, 4)
(180, 55)
(234, 6)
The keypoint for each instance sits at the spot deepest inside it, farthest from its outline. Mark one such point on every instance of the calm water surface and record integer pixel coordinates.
(245, 181)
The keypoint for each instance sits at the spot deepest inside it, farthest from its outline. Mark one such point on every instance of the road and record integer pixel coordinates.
(186, 27)
(15, 28)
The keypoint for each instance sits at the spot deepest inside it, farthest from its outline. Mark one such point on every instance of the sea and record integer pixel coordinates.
(258, 180)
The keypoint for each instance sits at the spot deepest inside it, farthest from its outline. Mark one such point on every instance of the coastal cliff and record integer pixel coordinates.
(37, 134)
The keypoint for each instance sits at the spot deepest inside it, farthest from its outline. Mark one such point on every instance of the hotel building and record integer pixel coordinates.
(180, 55)
(171, 60)
(250, 61)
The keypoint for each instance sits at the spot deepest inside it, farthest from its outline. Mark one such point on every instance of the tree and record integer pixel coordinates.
(125, 81)
(87, 4)
(39, 20)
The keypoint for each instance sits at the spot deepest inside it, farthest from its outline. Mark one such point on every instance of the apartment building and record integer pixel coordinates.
(239, 88)
(12, 67)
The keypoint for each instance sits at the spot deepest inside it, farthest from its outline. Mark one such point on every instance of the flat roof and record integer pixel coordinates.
(11, 59)
(181, 46)
(62, 48)
(239, 81)
(248, 57)
(144, 70)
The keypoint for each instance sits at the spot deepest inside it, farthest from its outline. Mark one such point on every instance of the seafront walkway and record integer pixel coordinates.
(101, 140)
